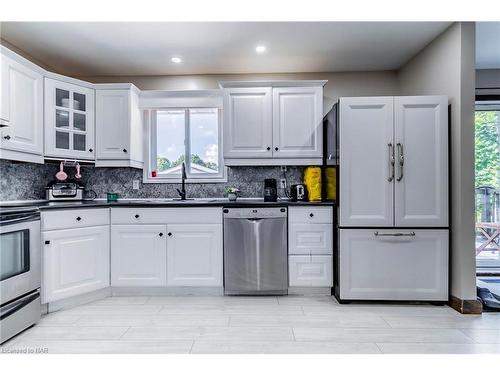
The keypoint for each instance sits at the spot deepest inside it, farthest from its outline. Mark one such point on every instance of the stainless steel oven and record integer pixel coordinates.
(20, 269)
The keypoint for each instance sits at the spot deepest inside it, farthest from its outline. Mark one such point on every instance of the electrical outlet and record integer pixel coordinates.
(135, 184)
(283, 168)
(283, 183)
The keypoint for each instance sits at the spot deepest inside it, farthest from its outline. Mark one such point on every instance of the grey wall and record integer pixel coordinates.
(20, 181)
(339, 83)
(447, 67)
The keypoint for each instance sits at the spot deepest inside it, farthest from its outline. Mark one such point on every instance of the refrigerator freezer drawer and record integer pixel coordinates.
(394, 264)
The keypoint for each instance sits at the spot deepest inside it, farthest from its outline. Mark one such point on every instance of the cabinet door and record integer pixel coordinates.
(22, 108)
(412, 266)
(194, 255)
(248, 123)
(113, 124)
(75, 261)
(138, 255)
(309, 271)
(298, 122)
(421, 137)
(366, 151)
(69, 120)
(310, 239)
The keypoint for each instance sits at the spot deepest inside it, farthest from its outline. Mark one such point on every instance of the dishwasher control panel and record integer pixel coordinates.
(254, 212)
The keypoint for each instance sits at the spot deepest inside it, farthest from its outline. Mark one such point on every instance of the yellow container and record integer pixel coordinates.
(312, 180)
(331, 183)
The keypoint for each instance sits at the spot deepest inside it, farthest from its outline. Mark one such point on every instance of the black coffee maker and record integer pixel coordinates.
(270, 190)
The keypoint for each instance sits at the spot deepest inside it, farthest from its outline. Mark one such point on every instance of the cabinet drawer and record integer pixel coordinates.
(388, 267)
(141, 215)
(62, 219)
(310, 239)
(305, 270)
(304, 215)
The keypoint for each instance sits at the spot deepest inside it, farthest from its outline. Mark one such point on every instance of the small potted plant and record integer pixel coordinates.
(232, 193)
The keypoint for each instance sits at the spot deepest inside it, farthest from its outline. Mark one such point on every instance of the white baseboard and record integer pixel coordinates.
(309, 291)
(167, 291)
(70, 302)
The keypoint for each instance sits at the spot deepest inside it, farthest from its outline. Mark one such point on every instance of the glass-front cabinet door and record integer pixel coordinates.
(69, 120)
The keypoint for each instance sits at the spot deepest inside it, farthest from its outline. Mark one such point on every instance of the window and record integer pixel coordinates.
(188, 135)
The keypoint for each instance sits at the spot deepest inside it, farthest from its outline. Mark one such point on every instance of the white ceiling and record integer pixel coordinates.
(488, 45)
(127, 48)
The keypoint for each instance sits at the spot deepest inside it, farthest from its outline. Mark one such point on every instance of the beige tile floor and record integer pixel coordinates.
(258, 325)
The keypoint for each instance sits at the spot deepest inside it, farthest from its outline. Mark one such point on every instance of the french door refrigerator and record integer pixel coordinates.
(393, 199)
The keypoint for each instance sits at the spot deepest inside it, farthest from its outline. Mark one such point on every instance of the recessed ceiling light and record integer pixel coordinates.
(260, 49)
(176, 60)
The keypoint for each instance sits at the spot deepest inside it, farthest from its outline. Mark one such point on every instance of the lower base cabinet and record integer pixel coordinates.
(138, 255)
(377, 265)
(194, 255)
(75, 261)
(310, 270)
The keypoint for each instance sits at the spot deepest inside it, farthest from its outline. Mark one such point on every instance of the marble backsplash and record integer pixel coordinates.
(19, 181)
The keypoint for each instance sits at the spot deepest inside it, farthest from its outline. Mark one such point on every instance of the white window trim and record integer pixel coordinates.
(150, 152)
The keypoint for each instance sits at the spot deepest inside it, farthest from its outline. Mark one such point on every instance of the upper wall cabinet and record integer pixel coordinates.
(248, 131)
(273, 123)
(69, 120)
(21, 110)
(118, 128)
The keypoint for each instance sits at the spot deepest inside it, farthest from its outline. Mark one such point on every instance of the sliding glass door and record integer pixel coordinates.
(487, 183)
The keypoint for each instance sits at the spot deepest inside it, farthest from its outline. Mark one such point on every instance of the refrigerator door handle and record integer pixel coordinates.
(401, 160)
(397, 234)
(391, 161)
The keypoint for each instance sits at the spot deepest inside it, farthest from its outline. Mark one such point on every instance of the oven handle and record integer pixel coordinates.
(13, 307)
(22, 219)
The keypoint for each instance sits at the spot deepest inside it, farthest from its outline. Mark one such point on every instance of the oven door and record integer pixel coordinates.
(20, 267)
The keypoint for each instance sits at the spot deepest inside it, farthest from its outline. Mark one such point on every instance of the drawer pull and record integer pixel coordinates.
(7, 137)
(169, 234)
(161, 234)
(78, 218)
(124, 150)
(397, 234)
(136, 216)
(311, 215)
(47, 242)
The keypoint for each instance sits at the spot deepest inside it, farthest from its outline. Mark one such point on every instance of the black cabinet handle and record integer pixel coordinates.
(311, 214)
(161, 234)
(7, 137)
(90, 150)
(169, 234)
(136, 216)
(78, 218)
(269, 149)
(124, 150)
(47, 242)
(276, 149)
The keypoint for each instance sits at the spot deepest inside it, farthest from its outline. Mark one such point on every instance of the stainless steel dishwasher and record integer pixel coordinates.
(255, 251)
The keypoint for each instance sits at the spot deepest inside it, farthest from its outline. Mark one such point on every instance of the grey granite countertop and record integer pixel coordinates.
(197, 202)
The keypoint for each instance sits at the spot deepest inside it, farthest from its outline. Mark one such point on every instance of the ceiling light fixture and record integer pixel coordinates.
(176, 60)
(260, 49)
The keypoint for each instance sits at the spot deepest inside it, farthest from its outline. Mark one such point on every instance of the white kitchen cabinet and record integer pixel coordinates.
(21, 110)
(118, 128)
(390, 264)
(298, 122)
(194, 255)
(69, 120)
(310, 271)
(310, 239)
(138, 255)
(75, 261)
(421, 153)
(273, 122)
(248, 131)
(366, 150)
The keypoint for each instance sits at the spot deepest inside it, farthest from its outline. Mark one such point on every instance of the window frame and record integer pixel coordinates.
(151, 151)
